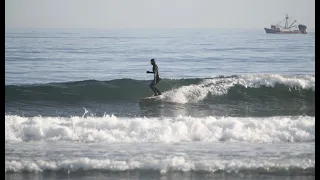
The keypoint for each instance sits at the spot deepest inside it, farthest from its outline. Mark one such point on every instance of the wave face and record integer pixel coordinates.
(261, 87)
(250, 95)
(114, 129)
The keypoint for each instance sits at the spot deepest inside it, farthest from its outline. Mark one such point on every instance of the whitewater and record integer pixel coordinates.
(112, 129)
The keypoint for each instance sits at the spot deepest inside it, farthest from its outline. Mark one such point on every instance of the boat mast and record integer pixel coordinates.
(286, 24)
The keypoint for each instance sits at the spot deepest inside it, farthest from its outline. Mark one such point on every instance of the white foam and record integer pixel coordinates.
(170, 163)
(178, 129)
(220, 86)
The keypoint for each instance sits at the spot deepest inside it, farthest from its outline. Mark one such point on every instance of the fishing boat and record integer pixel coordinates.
(286, 29)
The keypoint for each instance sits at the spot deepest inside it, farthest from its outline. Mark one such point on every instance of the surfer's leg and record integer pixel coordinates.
(159, 93)
(158, 80)
(153, 88)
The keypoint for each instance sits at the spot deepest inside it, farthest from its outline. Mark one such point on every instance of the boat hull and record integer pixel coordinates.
(273, 31)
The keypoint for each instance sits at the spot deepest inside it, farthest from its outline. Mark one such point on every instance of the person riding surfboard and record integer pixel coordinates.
(156, 79)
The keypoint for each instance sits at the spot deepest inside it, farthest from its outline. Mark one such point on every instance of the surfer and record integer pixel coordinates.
(156, 78)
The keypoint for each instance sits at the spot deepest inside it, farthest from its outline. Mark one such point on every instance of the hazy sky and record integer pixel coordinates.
(155, 13)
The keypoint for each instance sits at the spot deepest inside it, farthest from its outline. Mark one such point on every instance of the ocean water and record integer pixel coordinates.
(236, 104)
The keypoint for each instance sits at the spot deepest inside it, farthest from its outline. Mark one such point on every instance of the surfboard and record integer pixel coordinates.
(151, 98)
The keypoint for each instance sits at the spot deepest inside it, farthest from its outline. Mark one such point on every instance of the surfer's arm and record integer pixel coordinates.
(153, 71)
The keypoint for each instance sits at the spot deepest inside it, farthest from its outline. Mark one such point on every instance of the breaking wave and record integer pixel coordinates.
(110, 128)
(232, 88)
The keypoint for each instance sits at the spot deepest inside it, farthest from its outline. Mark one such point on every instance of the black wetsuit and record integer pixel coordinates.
(156, 79)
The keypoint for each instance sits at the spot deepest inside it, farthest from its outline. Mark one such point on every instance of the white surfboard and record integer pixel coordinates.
(151, 98)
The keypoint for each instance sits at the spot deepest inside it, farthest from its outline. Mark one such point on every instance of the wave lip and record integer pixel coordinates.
(112, 129)
(250, 85)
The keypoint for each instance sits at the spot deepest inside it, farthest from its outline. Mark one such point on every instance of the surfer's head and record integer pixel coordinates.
(153, 61)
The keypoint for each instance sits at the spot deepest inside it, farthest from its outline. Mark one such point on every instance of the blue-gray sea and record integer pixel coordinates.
(235, 104)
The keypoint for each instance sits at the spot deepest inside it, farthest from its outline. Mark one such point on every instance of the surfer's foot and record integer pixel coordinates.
(155, 95)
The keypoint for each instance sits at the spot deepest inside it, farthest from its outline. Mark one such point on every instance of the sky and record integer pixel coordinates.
(155, 13)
